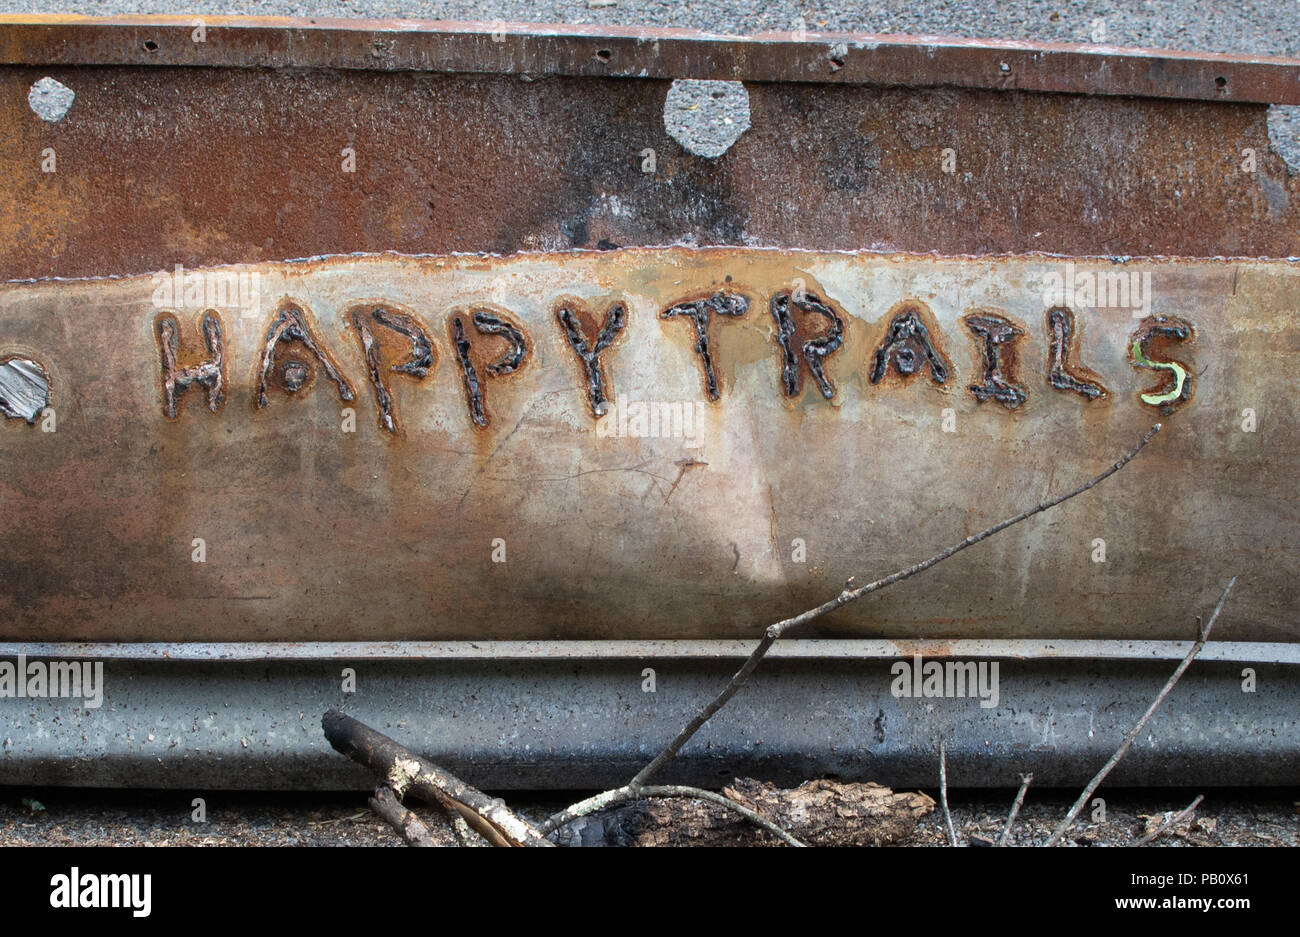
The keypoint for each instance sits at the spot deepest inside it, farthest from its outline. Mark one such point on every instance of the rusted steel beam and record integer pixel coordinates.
(475, 383)
(209, 166)
(632, 52)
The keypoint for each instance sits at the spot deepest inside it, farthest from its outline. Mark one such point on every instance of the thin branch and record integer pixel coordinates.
(1132, 734)
(623, 794)
(778, 630)
(350, 817)
(1173, 821)
(385, 803)
(1025, 780)
(943, 790)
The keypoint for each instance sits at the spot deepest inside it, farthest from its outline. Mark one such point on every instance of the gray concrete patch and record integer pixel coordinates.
(50, 99)
(1284, 133)
(706, 117)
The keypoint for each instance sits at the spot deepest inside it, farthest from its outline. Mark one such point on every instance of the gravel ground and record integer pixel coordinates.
(1224, 818)
(162, 818)
(1266, 27)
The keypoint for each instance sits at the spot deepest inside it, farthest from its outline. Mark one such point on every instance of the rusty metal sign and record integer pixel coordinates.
(548, 371)
(506, 358)
(653, 443)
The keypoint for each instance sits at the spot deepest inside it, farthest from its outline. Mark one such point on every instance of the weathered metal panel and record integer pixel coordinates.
(210, 166)
(675, 515)
(859, 228)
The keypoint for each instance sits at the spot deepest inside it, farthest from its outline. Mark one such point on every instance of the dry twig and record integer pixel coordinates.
(385, 803)
(943, 791)
(1133, 733)
(1025, 780)
(463, 833)
(1171, 822)
(348, 819)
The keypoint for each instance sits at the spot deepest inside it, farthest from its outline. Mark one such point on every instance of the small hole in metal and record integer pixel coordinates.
(150, 45)
(1221, 82)
(604, 55)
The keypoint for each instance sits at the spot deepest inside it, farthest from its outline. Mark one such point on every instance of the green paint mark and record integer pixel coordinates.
(1180, 376)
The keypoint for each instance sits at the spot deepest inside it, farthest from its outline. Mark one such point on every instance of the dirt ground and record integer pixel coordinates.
(53, 816)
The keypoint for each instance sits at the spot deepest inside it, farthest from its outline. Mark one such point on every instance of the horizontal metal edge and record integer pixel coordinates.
(203, 726)
(249, 651)
(892, 256)
(536, 50)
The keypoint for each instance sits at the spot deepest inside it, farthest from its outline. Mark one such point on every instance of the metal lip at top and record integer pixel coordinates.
(540, 50)
(706, 649)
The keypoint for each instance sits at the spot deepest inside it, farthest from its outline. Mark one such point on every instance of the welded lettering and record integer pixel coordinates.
(290, 325)
(571, 320)
(1060, 373)
(1152, 335)
(417, 365)
(998, 337)
(700, 313)
(908, 346)
(486, 323)
(815, 350)
(209, 373)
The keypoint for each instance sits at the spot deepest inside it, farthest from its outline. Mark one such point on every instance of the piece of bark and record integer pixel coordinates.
(818, 813)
